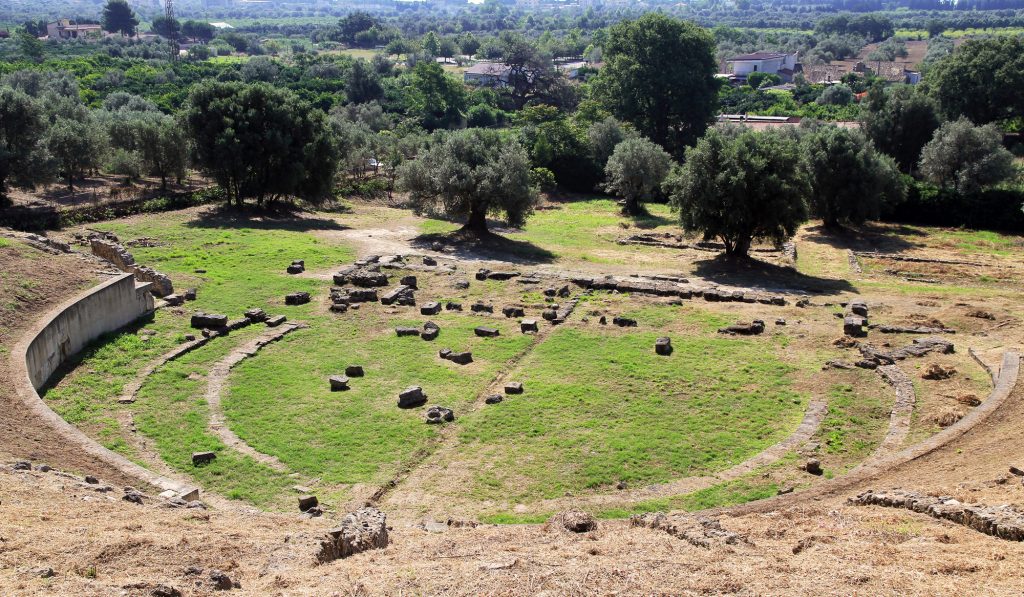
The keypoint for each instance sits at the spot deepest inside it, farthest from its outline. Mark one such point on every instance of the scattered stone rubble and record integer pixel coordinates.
(359, 531)
(412, 397)
(461, 358)
(123, 260)
(439, 414)
(873, 357)
(699, 531)
(574, 521)
(1003, 522)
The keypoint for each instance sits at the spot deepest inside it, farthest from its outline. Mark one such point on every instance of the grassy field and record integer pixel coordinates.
(280, 402)
(585, 230)
(601, 407)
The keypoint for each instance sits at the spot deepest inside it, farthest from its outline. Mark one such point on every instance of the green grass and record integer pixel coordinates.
(171, 412)
(601, 408)
(856, 421)
(4, 243)
(88, 397)
(244, 260)
(280, 402)
(584, 230)
(514, 518)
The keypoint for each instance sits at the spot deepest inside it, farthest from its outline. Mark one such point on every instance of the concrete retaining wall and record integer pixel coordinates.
(64, 332)
(105, 308)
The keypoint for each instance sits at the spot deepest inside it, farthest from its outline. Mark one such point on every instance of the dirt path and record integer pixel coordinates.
(217, 380)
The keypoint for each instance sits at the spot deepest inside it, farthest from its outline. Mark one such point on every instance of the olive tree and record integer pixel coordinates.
(22, 157)
(635, 169)
(966, 157)
(77, 145)
(468, 174)
(738, 186)
(850, 180)
(604, 135)
(261, 142)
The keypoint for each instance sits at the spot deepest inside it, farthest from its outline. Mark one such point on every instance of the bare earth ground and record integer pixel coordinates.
(97, 544)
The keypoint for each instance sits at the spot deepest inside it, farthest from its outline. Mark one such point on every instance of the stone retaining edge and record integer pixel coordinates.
(28, 392)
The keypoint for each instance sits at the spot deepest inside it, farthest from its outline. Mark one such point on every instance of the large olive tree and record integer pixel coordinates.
(966, 158)
(738, 186)
(468, 174)
(261, 142)
(850, 180)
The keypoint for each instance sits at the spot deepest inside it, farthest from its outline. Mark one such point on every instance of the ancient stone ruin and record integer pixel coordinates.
(439, 414)
(412, 397)
(699, 531)
(359, 531)
(123, 260)
(1004, 521)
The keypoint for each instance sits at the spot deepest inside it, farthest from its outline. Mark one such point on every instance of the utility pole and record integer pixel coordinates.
(173, 39)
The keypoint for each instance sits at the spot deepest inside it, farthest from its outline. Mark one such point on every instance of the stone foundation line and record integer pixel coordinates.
(902, 410)
(1004, 382)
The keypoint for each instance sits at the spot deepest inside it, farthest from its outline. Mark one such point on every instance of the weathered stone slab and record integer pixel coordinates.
(431, 308)
(339, 383)
(201, 458)
(407, 331)
(201, 320)
(663, 346)
(486, 332)
(512, 311)
(411, 397)
(297, 298)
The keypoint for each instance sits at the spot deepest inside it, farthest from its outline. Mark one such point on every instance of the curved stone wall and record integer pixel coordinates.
(62, 333)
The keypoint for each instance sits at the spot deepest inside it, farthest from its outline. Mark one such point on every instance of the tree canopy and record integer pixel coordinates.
(850, 180)
(899, 121)
(982, 80)
(659, 75)
(635, 170)
(965, 157)
(738, 186)
(469, 174)
(118, 17)
(261, 142)
(22, 124)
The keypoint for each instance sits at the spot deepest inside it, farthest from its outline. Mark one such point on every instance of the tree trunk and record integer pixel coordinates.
(163, 183)
(632, 206)
(477, 222)
(740, 248)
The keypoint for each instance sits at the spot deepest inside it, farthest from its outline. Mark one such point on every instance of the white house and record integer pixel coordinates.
(489, 74)
(65, 29)
(774, 63)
